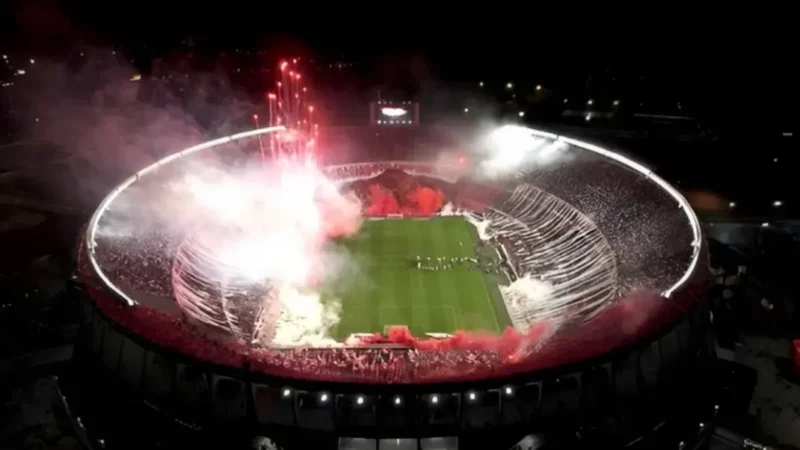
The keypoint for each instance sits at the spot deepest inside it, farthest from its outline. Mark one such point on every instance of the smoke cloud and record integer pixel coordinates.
(106, 121)
(266, 229)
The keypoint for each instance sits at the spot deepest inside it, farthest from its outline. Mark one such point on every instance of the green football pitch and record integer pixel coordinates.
(386, 287)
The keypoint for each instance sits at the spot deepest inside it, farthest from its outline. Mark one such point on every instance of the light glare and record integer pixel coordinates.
(393, 112)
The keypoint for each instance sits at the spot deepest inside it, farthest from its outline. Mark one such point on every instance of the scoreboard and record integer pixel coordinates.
(385, 113)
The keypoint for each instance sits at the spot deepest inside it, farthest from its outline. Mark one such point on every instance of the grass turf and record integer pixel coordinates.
(386, 288)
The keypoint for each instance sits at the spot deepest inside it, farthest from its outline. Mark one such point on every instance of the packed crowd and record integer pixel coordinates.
(384, 365)
(369, 170)
(141, 261)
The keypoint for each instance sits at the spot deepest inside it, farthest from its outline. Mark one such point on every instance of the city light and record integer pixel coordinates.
(466, 110)
(538, 87)
(397, 400)
(32, 61)
(323, 398)
(732, 205)
(509, 85)
(522, 113)
(590, 102)
(287, 392)
(616, 102)
(435, 399)
(472, 396)
(777, 203)
(509, 391)
(775, 160)
(480, 84)
(360, 400)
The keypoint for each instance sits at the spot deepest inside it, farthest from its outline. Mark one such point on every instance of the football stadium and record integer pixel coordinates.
(394, 287)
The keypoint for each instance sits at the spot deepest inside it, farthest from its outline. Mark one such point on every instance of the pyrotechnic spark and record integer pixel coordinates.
(287, 106)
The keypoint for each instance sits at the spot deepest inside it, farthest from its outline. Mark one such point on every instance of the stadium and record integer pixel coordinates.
(392, 286)
(545, 283)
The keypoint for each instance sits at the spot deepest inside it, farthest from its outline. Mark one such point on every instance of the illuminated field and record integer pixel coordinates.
(387, 287)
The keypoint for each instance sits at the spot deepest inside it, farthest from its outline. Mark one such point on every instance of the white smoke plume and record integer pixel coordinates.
(512, 148)
(306, 319)
(267, 229)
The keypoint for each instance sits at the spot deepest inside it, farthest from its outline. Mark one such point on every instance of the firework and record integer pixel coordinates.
(290, 107)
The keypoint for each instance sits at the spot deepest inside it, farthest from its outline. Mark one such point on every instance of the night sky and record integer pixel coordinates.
(734, 73)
